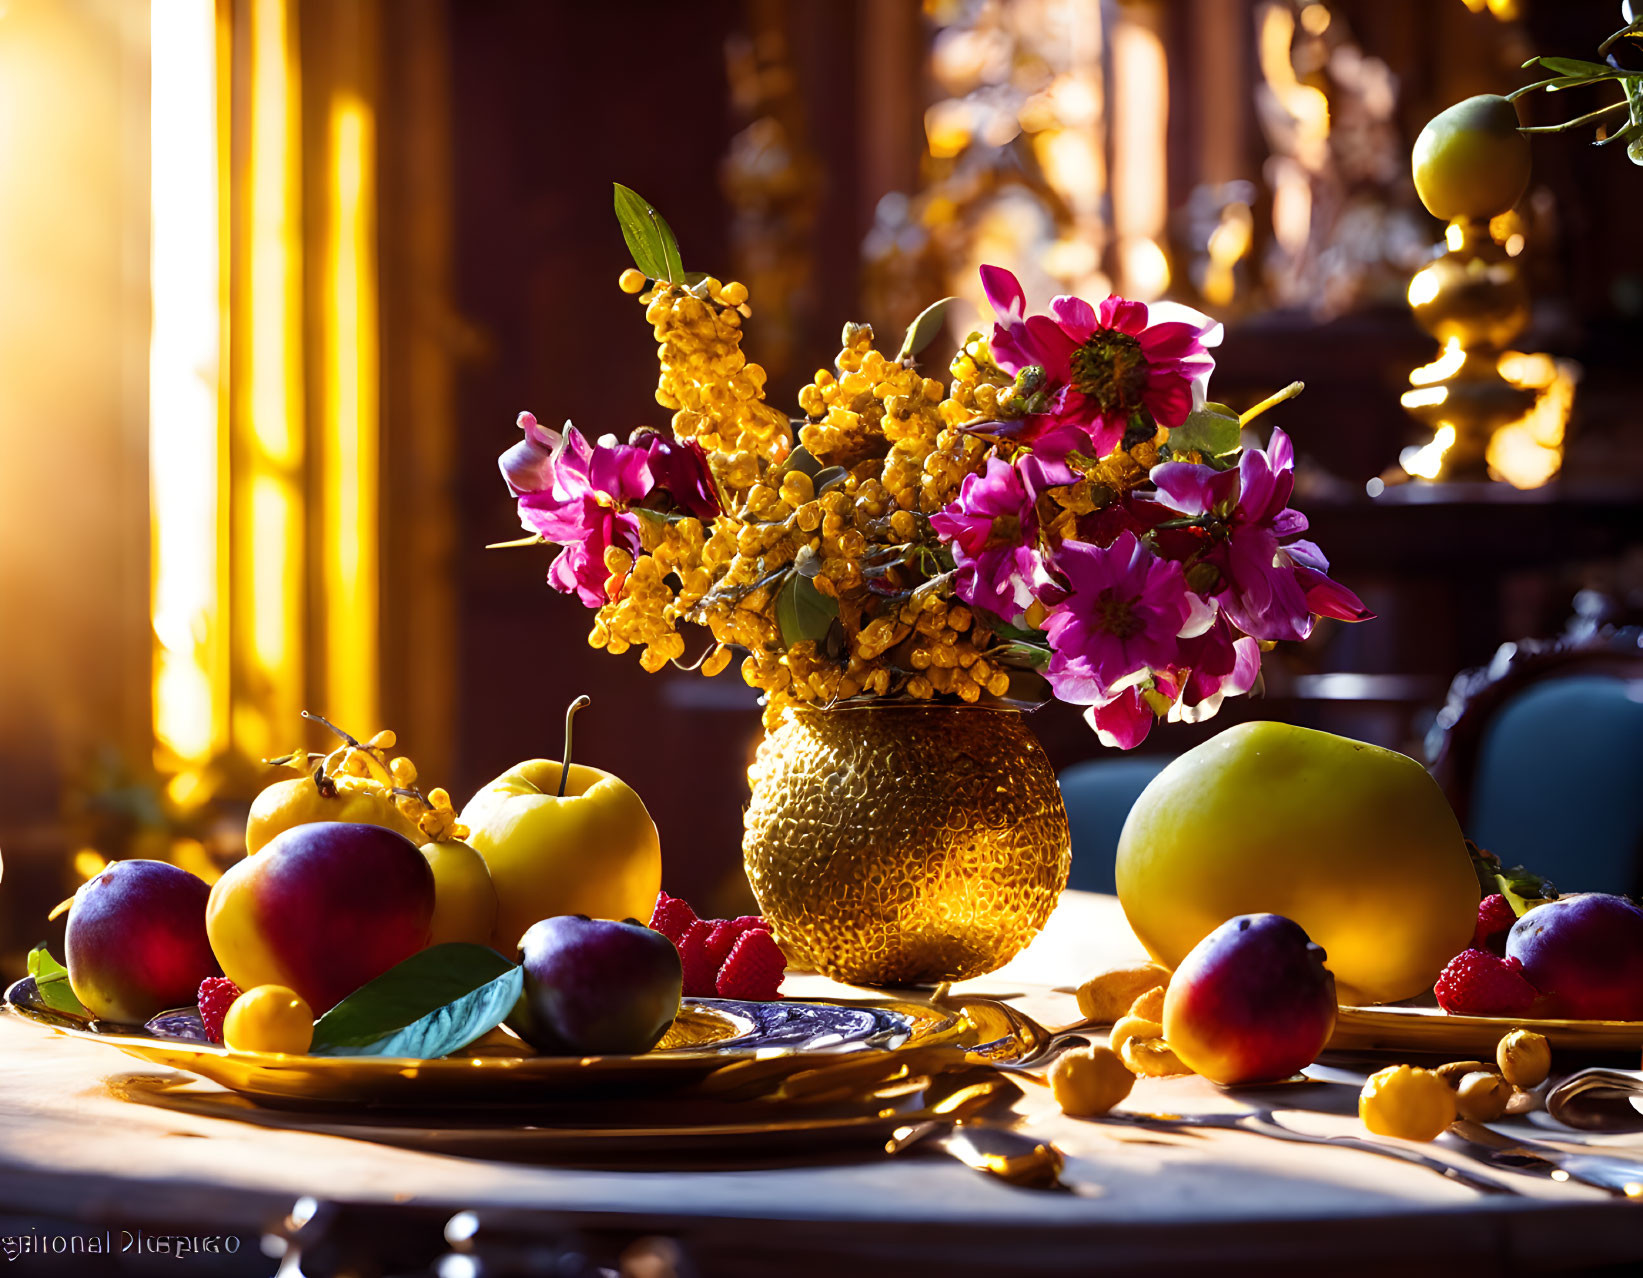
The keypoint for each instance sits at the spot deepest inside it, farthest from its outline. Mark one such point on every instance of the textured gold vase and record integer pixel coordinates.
(901, 845)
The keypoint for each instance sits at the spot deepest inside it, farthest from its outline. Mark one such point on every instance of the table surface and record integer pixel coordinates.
(70, 1145)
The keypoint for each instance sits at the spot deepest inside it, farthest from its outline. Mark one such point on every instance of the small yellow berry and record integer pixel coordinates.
(1087, 1084)
(1406, 1102)
(1524, 1058)
(632, 281)
(1482, 1096)
(1152, 1057)
(268, 1018)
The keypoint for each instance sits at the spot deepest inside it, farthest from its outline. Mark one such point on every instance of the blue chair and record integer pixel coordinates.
(1099, 795)
(1558, 784)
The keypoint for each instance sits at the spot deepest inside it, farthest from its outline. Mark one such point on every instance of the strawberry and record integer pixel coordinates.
(672, 917)
(216, 994)
(754, 969)
(1478, 983)
(1495, 919)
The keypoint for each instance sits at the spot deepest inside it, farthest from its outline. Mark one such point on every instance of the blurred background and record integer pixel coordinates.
(276, 276)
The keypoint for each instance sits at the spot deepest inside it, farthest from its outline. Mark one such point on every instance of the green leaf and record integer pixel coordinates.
(1575, 67)
(803, 612)
(648, 236)
(1205, 431)
(51, 983)
(803, 460)
(1031, 656)
(1004, 630)
(924, 330)
(434, 1003)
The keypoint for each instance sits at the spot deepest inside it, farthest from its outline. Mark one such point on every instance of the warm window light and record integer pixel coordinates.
(184, 361)
(1140, 123)
(269, 534)
(350, 544)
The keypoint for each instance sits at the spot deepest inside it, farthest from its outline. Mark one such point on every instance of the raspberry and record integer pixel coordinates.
(1478, 983)
(215, 996)
(754, 969)
(671, 917)
(699, 965)
(721, 939)
(1495, 919)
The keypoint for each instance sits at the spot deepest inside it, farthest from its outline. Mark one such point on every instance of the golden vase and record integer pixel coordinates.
(903, 845)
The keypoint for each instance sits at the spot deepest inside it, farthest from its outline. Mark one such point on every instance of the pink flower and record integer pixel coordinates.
(1217, 664)
(993, 531)
(1105, 369)
(1125, 613)
(1123, 721)
(1262, 587)
(679, 468)
(574, 493)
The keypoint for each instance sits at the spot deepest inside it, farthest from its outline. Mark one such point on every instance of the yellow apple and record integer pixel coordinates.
(592, 851)
(1355, 843)
(464, 897)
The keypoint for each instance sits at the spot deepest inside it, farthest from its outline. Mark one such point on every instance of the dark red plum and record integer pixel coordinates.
(1252, 1002)
(136, 941)
(594, 987)
(1585, 955)
(322, 908)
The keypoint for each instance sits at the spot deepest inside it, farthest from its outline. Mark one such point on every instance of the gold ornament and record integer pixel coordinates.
(896, 845)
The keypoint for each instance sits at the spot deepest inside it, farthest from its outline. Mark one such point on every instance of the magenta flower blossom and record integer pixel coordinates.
(679, 468)
(993, 531)
(1106, 367)
(578, 494)
(1217, 664)
(1123, 720)
(1262, 586)
(1125, 613)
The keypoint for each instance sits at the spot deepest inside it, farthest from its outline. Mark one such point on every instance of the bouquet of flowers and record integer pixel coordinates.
(1067, 516)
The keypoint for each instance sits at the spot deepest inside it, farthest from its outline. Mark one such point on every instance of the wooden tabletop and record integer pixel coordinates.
(77, 1153)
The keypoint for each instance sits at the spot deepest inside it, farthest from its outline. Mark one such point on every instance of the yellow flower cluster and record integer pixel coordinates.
(716, 395)
(845, 521)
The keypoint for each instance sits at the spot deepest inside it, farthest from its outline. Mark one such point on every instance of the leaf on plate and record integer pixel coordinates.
(434, 1003)
(51, 983)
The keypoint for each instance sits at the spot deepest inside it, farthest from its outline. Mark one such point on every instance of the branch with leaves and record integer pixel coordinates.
(1623, 67)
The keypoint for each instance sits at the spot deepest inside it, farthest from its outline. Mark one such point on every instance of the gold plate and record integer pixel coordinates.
(634, 1133)
(1431, 1029)
(708, 1036)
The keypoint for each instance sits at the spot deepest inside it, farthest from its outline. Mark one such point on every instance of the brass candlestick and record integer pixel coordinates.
(1494, 413)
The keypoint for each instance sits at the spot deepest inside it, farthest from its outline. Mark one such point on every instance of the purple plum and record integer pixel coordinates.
(1251, 1003)
(1584, 954)
(136, 941)
(595, 987)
